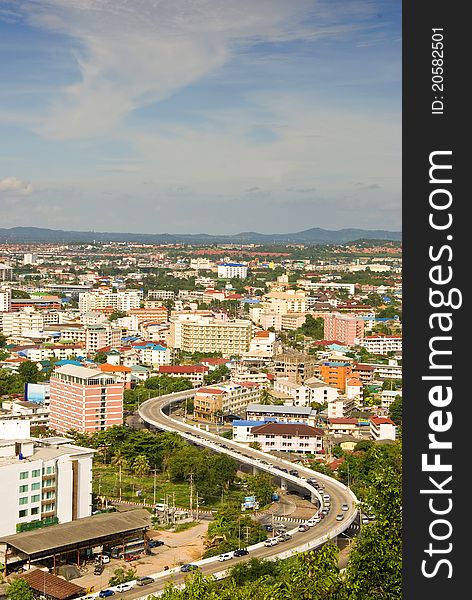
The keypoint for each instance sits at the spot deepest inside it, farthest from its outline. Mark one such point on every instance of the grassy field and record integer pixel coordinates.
(106, 482)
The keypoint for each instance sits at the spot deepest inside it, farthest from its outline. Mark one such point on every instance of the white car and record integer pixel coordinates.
(313, 521)
(226, 556)
(124, 587)
(344, 507)
(271, 542)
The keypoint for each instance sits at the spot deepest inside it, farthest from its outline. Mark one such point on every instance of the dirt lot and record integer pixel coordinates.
(179, 548)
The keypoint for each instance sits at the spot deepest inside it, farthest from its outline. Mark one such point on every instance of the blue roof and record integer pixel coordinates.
(68, 362)
(336, 363)
(243, 423)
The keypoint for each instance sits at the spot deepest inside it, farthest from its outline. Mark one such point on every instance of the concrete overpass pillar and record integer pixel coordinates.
(283, 484)
(254, 470)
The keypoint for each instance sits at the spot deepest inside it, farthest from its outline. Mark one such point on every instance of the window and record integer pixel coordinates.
(24, 500)
(35, 510)
(35, 498)
(36, 473)
(23, 488)
(23, 513)
(35, 486)
(49, 470)
(24, 475)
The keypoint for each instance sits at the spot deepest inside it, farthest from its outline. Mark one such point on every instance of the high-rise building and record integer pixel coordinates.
(347, 329)
(43, 481)
(5, 299)
(6, 272)
(194, 333)
(85, 399)
(232, 270)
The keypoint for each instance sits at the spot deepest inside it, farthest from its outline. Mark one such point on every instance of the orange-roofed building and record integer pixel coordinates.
(123, 373)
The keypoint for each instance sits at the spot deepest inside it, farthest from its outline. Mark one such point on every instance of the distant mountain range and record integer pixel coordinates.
(309, 236)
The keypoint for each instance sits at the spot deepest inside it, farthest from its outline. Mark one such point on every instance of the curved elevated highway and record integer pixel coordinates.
(152, 412)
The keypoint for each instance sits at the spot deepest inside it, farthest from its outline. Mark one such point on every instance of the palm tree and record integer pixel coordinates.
(119, 460)
(141, 466)
(266, 397)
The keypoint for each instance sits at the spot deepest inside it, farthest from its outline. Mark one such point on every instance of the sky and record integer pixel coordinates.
(191, 116)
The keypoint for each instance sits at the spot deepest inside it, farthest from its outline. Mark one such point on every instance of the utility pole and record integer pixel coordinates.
(196, 517)
(154, 490)
(191, 493)
(120, 482)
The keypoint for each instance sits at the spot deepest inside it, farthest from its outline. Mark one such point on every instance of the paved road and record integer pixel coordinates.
(151, 412)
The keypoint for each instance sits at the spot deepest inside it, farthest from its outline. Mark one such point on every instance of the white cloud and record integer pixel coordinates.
(135, 52)
(13, 185)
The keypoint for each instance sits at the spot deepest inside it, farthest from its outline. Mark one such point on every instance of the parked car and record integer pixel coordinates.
(98, 570)
(303, 527)
(225, 556)
(144, 580)
(188, 567)
(340, 516)
(294, 472)
(313, 521)
(271, 542)
(241, 552)
(131, 557)
(124, 587)
(155, 543)
(106, 593)
(281, 527)
(344, 507)
(364, 519)
(268, 527)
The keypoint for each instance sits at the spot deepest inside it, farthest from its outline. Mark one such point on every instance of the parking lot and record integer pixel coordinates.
(182, 547)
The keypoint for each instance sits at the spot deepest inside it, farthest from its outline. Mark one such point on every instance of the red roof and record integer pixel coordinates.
(286, 429)
(209, 390)
(107, 368)
(214, 361)
(343, 421)
(183, 369)
(51, 585)
(381, 421)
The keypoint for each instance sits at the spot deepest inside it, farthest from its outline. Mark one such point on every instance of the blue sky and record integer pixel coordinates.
(195, 116)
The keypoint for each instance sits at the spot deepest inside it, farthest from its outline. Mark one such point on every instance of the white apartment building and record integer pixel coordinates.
(5, 300)
(388, 397)
(123, 301)
(55, 352)
(281, 303)
(201, 264)
(382, 344)
(93, 337)
(36, 414)
(382, 429)
(283, 414)
(6, 272)
(327, 285)
(288, 437)
(48, 479)
(194, 333)
(341, 407)
(263, 347)
(228, 399)
(320, 391)
(232, 270)
(161, 295)
(22, 323)
(153, 354)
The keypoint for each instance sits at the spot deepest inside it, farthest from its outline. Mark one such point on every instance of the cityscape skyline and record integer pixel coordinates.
(200, 116)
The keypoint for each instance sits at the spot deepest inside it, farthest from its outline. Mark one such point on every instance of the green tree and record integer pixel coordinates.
(3, 340)
(396, 410)
(28, 372)
(141, 466)
(121, 575)
(19, 589)
(100, 357)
